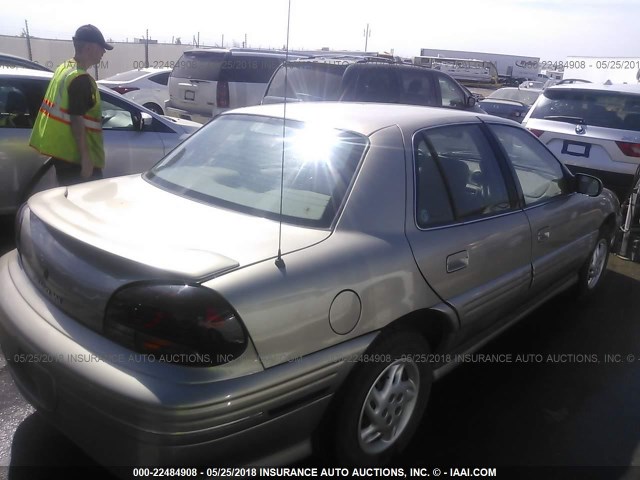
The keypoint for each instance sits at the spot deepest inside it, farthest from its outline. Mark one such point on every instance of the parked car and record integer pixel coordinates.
(206, 82)
(268, 284)
(135, 138)
(366, 79)
(511, 109)
(509, 102)
(533, 84)
(12, 61)
(145, 86)
(593, 129)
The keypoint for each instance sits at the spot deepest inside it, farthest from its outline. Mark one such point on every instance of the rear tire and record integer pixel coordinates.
(155, 108)
(383, 400)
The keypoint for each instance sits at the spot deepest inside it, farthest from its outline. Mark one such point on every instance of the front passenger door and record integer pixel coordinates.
(127, 149)
(562, 221)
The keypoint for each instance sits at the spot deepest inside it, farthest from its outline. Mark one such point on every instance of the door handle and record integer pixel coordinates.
(457, 261)
(544, 234)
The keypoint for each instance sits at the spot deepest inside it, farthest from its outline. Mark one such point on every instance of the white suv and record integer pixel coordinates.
(593, 129)
(206, 82)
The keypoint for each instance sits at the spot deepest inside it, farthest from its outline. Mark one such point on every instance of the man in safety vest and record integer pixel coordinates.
(68, 127)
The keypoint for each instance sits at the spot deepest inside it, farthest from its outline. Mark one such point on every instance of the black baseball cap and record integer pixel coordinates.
(89, 33)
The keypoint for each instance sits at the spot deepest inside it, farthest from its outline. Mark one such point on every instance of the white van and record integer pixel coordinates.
(206, 82)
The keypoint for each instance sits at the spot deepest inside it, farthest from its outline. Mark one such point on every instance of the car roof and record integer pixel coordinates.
(38, 74)
(24, 73)
(143, 72)
(621, 88)
(241, 51)
(347, 59)
(22, 62)
(366, 118)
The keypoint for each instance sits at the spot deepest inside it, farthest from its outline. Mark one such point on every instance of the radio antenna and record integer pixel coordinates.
(279, 260)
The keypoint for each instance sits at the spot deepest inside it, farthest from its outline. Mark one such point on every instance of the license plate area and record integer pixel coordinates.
(189, 95)
(577, 149)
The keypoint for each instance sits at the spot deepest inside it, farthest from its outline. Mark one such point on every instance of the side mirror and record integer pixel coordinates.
(471, 101)
(141, 120)
(588, 185)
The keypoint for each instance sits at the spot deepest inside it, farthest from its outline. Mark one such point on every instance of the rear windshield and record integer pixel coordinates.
(524, 96)
(236, 162)
(308, 81)
(199, 65)
(227, 66)
(603, 109)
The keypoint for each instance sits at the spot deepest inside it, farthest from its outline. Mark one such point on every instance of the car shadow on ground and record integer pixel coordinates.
(568, 397)
(40, 452)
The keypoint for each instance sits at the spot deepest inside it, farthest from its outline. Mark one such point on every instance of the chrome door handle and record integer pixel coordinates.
(457, 261)
(543, 235)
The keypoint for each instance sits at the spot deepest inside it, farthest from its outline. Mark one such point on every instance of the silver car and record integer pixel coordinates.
(273, 282)
(592, 128)
(134, 137)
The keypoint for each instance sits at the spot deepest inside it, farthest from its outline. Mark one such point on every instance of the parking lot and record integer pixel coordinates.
(558, 390)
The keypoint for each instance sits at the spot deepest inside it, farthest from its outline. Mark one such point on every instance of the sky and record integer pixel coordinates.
(538, 28)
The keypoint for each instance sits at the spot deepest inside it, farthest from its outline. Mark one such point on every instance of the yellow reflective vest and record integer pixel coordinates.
(52, 135)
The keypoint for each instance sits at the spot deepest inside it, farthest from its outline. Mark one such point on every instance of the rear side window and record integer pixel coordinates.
(308, 81)
(470, 170)
(603, 109)
(161, 78)
(433, 206)
(371, 83)
(20, 101)
(418, 87)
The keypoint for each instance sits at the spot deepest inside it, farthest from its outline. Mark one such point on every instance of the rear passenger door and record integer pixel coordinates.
(563, 223)
(469, 239)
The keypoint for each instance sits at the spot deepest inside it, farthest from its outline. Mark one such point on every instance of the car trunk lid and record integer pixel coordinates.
(193, 84)
(80, 245)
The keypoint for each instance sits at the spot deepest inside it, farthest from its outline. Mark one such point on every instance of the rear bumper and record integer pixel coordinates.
(162, 414)
(172, 111)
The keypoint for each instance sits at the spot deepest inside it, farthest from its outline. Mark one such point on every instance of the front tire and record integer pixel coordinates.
(594, 268)
(383, 401)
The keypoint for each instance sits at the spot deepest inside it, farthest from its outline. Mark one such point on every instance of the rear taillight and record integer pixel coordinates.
(222, 94)
(536, 132)
(123, 90)
(629, 149)
(185, 324)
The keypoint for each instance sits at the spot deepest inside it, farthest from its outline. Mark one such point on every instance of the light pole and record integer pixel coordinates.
(367, 34)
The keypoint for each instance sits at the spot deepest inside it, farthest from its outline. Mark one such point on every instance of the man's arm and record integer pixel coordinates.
(79, 134)
(80, 101)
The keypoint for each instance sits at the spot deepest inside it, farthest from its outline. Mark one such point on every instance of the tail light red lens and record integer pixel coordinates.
(629, 149)
(123, 90)
(536, 132)
(222, 94)
(184, 324)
